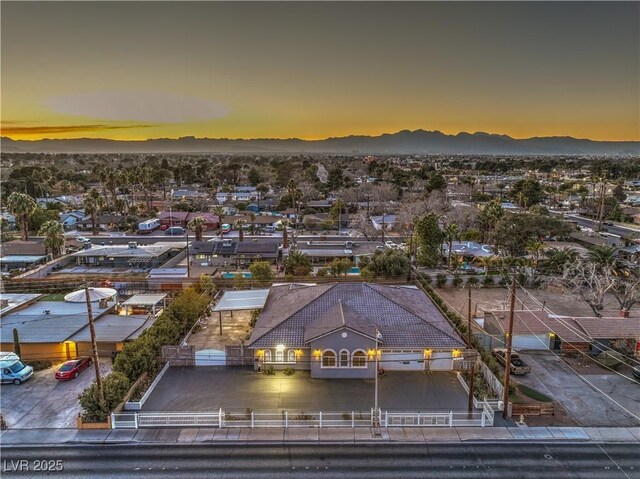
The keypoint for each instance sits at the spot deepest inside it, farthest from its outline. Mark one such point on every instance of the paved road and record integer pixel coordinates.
(621, 231)
(508, 461)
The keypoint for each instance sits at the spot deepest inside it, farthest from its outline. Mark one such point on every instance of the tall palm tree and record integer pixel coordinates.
(239, 225)
(197, 226)
(261, 190)
(486, 262)
(93, 204)
(451, 233)
(285, 233)
(53, 233)
(22, 206)
(335, 213)
(298, 264)
(253, 220)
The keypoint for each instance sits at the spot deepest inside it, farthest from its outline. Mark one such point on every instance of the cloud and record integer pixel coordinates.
(44, 130)
(147, 106)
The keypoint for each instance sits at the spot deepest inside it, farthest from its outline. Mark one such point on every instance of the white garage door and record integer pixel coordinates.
(441, 361)
(530, 341)
(402, 360)
(210, 357)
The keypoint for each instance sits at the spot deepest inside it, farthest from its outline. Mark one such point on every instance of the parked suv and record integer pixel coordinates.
(518, 366)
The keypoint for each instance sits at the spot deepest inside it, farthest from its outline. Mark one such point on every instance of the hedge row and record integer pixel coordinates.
(141, 355)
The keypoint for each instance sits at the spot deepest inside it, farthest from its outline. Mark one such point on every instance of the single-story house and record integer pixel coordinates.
(388, 221)
(185, 194)
(231, 252)
(323, 252)
(132, 255)
(69, 220)
(259, 221)
(59, 330)
(106, 222)
(22, 254)
(539, 330)
(173, 218)
(336, 330)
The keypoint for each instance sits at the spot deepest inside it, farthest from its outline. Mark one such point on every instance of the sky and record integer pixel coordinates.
(137, 70)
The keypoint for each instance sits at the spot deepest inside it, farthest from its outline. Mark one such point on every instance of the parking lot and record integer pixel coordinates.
(208, 388)
(44, 402)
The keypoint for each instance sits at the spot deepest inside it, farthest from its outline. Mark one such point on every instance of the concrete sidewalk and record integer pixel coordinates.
(44, 437)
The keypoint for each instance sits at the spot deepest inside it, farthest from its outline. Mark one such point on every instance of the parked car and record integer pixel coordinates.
(13, 370)
(175, 230)
(636, 373)
(518, 366)
(164, 227)
(72, 369)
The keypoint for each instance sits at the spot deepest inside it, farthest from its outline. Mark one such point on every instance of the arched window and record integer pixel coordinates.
(359, 359)
(328, 359)
(344, 358)
(279, 356)
(291, 356)
(267, 355)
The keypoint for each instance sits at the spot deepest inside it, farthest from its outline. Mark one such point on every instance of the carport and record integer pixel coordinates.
(241, 301)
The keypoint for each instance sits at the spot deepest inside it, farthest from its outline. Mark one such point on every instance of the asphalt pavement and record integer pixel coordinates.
(442, 461)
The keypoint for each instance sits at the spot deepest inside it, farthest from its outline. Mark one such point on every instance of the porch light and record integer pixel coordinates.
(280, 347)
(552, 335)
(317, 353)
(427, 354)
(298, 353)
(456, 353)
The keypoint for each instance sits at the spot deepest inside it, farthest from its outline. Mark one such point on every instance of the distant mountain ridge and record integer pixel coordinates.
(402, 142)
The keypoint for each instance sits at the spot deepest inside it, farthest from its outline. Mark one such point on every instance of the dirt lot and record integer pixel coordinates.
(487, 299)
(234, 329)
(44, 402)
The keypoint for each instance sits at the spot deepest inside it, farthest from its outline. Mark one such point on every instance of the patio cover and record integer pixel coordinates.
(242, 300)
(144, 300)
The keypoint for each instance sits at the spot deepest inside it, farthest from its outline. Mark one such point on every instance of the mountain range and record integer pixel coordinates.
(402, 142)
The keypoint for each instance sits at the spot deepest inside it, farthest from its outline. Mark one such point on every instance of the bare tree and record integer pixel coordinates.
(466, 217)
(588, 282)
(626, 289)
(438, 203)
(362, 223)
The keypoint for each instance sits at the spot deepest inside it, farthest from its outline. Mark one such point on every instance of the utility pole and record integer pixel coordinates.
(472, 371)
(507, 367)
(188, 257)
(94, 345)
(603, 196)
(377, 373)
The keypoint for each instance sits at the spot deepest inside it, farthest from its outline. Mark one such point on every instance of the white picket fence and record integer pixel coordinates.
(480, 417)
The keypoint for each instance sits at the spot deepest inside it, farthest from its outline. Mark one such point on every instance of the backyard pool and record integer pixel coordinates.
(245, 274)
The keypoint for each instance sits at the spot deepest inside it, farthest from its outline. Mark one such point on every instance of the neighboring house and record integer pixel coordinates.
(105, 222)
(127, 256)
(58, 330)
(234, 253)
(67, 200)
(388, 221)
(259, 221)
(468, 250)
(182, 218)
(331, 330)
(70, 219)
(290, 214)
(323, 252)
(237, 195)
(253, 208)
(630, 253)
(539, 330)
(320, 204)
(22, 254)
(184, 194)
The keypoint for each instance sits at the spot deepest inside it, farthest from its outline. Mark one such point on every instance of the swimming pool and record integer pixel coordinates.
(245, 274)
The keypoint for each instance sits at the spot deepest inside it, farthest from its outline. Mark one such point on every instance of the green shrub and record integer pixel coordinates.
(533, 394)
(610, 359)
(115, 386)
(473, 280)
(457, 280)
(289, 371)
(488, 281)
(137, 357)
(270, 371)
(254, 317)
(441, 280)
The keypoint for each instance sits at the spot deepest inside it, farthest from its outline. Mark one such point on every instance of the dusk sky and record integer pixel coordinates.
(314, 70)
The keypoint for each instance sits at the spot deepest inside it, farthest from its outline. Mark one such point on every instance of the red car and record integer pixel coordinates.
(164, 227)
(72, 369)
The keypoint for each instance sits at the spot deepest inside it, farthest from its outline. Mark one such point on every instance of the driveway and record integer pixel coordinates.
(588, 407)
(44, 402)
(208, 388)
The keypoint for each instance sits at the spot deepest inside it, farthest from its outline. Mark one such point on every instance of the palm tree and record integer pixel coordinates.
(603, 256)
(535, 249)
(335, 213)
(53, 233)
(298, 264)
(558, 259)
(253, 220)
(239, 225)
(93, 204)
(261, 190)
(486, 262)
(285, 234)
(22, 206)
(197, 226)
(451, 233)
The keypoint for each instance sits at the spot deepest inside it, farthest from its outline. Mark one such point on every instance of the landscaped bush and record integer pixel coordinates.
(533, 394)
(142, 355)
(289, 371)
(457, 280)
(270, 371)
(473, 280)
(610, 359)
(488, 281)
(441, 280)
(254, 317)
(115, 386)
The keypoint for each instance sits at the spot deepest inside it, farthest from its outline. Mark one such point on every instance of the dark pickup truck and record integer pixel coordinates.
(518, 366)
